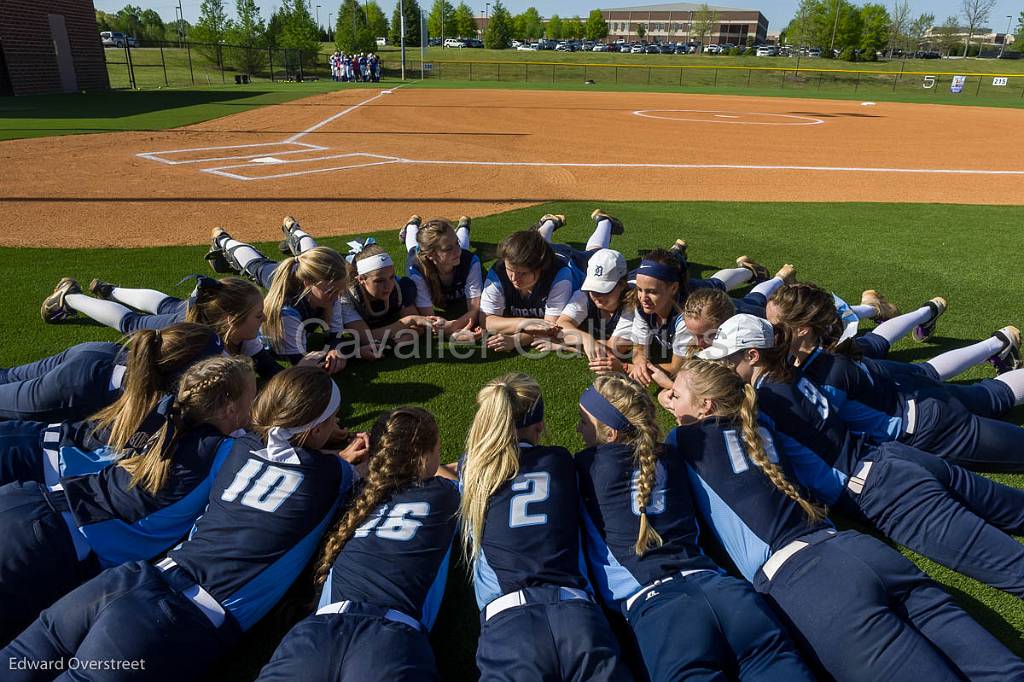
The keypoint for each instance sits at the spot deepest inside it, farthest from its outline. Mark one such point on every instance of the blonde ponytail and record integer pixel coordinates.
(492, 450)
(292, 280)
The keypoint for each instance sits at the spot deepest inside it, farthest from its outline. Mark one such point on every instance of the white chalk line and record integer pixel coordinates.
(293, 140)
(386, 160)
(650, 113)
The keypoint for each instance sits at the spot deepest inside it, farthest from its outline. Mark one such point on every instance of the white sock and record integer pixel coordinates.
(602, 236)
(547, 230)
(733, 278)
(768, 288)
(895, 329)
(462, 234)
(864, 312)
(1015, 380)
(241, 252)
(305, 241)
(146, 300)
(953, 362)
(411, 230)
(104, 312)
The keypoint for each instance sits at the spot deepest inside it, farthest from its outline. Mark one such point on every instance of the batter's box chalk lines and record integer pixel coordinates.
(729, 115)
(218, 152)
(376, 160)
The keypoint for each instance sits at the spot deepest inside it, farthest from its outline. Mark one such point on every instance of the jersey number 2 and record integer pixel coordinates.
(537, 488)
(266, 493)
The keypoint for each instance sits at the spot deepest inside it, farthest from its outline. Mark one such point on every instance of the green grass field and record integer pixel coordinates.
(910, 252)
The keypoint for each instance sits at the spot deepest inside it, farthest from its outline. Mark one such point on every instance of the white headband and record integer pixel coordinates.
(279, 449)
(372, 263)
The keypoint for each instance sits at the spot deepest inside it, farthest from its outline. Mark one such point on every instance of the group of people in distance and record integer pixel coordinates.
(159, 497)
(355, 68)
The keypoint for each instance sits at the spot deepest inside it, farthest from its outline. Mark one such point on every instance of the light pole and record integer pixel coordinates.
(330, 33)
(832, 46)
(318, 26)
(1009, 19)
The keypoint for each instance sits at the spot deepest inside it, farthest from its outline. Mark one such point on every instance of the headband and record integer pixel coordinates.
(279, 449)
(603, 411)
(533, 415)
(373, 263)
(658, 271)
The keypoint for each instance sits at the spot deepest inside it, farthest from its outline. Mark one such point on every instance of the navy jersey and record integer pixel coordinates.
(750, 516)
(262, 524)
(531, 534)
(663, 340)
(122, 522)
(608, 476)
(378, 314)
(466, 278)
(598, 326)
(515, 303)
(869, 404)
(399, 557)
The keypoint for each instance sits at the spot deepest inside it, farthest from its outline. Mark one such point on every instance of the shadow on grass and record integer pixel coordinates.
(116, 104)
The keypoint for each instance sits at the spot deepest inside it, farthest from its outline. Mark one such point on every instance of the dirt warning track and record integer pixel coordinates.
(359, 160)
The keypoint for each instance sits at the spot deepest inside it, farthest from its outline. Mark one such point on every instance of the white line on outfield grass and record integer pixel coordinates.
(381, 160)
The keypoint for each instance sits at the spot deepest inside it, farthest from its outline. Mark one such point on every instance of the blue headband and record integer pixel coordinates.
(533, 415)
(658, 271)
(603, 411)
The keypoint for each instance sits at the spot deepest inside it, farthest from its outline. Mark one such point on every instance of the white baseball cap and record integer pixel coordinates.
(738, 333)
(604, 270)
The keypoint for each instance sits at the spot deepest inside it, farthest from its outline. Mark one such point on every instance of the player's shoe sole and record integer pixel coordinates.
(413, 220)
(759, 271)
(215, 256)
(885, 310)
(787, 273)
(289, 246)
(557, 218)
(598, 215)
(54, 307)
(1009, 358)
(923, 332)
(102, 290)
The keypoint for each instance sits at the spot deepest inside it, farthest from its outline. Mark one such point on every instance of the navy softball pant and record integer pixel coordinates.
(170, 311)
(869, 614)
(943, 426)
(752, 304)
(132, 613)
(985, 398)
(38, 563)
(547, 638)
(708, 626)
(360, 644)
(948, 514)
(21, 451)
(68, 386)
(262, 271)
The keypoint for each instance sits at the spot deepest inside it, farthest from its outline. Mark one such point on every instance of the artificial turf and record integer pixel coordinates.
(910, 252)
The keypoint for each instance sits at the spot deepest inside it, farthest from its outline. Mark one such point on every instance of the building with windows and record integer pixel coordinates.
(674, 23)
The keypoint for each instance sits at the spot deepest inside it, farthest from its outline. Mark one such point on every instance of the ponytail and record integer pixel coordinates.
(398, 442)
(492, 449)
(292, 280)
(223, 304)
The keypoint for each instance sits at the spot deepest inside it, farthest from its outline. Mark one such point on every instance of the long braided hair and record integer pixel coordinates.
(637, 406)
(736, 400)
(399, 441)
(205, 389)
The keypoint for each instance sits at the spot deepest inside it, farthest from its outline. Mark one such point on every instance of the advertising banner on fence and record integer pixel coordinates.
(958, 84)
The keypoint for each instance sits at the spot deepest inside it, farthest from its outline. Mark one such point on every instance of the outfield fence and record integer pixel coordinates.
(183, 64)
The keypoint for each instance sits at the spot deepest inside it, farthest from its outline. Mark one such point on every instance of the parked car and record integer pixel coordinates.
(526, 47)
(475, 43)
(765, 51)
(454, 42)
(636, 49)
(117, 39)
(927, 54)
(814, 52)
(652, 49)
(712, 49)
(601, 47)
(434, 42)
(725, 46)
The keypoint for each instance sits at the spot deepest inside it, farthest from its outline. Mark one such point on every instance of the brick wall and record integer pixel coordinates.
(28, 46)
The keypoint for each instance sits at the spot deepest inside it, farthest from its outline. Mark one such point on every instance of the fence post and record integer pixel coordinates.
(680, 76)
(820, 75)
(552, 73)
(270, 62)
(894, 79)
(857, 84)
(499, 71)
(716, 78)
(783, 86)
(301, 76)
(978, 89)
(648, 75)
(616, 75)
(471, 71)
(220, 58)
(131, 66)
(188, 51)
(749, 71)
(584, 73)
(163, 63)
(527, 72)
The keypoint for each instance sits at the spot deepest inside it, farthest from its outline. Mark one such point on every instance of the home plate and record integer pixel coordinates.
(267, 159)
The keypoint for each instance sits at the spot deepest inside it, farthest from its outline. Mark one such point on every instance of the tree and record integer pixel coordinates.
(464, 24)
(351, 31)
(528, 25)
(249, 30)
(875, 25)
(211, 29)
(300, 32)
(410, 9)
(152, 26)
(947, 34)
(704, 22)
(575, 28)
(498, 35)
(919, 27)
(105, 21)
(596, 27)
(376, 22)
(553, 31)
(641, 31)
(1018, 42)
(900, 25)
(975, 13)
(439, 21)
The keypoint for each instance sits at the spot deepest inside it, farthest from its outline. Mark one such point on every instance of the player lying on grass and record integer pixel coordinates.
(915, 410)
(268, 507)
(55, 537)
(231, 306)
(383, 566)
(88, 377)
(829, 584)
(303, 292)
(944, 512)
(689, 618)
